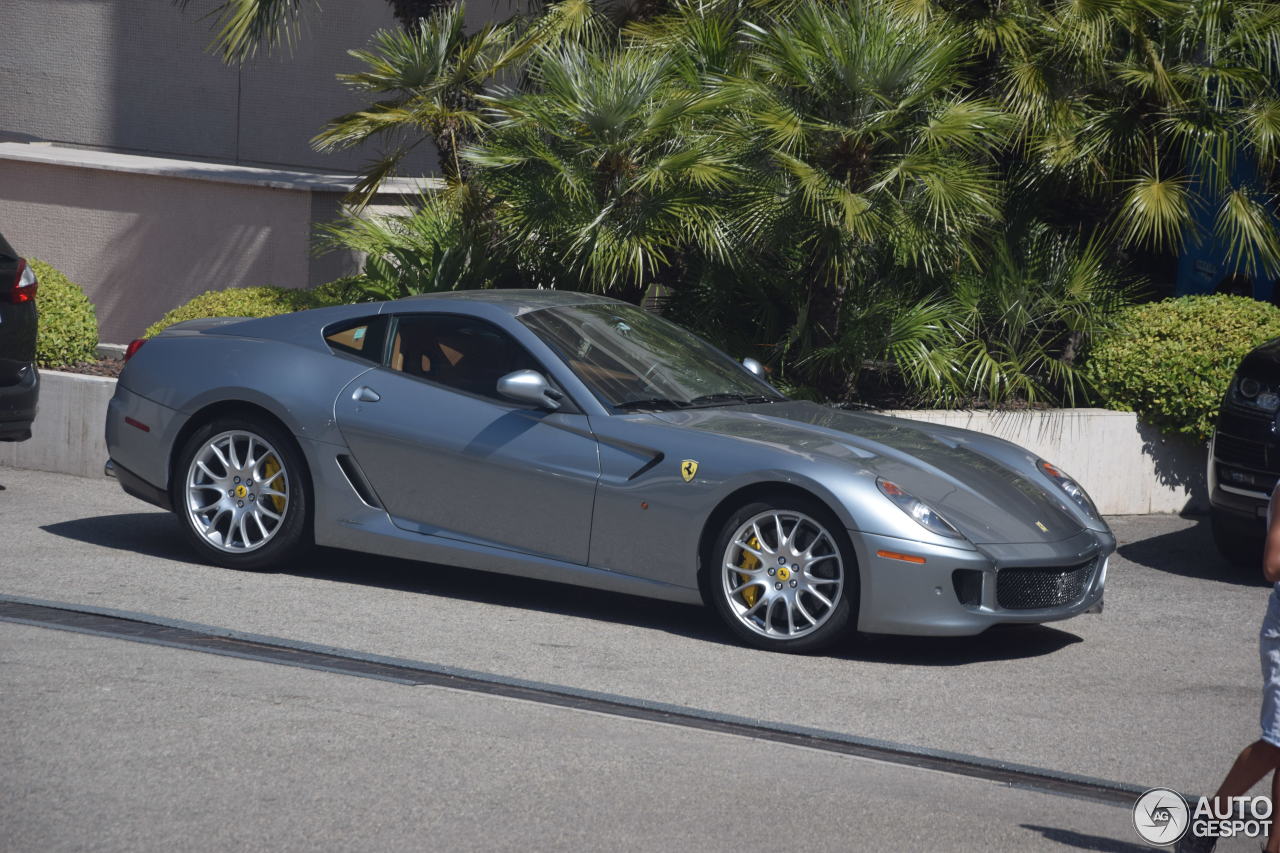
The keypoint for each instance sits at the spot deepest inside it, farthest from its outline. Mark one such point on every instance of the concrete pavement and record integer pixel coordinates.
(1161, 689)
(115, 746)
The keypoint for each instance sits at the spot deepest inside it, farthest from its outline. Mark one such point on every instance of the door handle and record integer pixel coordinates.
(365, 394)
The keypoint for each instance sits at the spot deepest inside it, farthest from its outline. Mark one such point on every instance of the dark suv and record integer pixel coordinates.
(1244, 456)
(19, 381)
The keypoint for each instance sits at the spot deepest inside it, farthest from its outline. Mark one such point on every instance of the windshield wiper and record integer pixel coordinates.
(654, 403)
(732, 397)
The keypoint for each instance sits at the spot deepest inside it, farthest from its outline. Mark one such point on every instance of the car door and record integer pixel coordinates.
(448, 456)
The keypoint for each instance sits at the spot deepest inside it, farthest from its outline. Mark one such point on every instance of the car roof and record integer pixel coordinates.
(514, 301)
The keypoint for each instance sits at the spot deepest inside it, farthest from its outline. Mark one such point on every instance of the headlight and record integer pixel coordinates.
(1247, 391)
(924, 515)
(1070, 486)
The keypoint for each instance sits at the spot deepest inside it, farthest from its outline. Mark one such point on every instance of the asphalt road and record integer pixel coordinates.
(126, 746)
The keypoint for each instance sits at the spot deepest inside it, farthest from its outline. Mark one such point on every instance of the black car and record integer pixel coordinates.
(19, 380)
(1244, 455)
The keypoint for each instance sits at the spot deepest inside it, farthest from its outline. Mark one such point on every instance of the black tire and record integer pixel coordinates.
(833, 623)
(290, 538)
(1239, 542)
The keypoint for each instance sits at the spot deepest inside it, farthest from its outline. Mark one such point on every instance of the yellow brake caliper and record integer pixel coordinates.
(270, 468)
(750, 562)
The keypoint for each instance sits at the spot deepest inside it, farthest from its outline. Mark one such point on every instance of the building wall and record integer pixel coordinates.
(141, 244)
(135, 75)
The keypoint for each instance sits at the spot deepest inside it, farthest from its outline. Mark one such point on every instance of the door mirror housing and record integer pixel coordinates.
(531, 387)
(754, 367)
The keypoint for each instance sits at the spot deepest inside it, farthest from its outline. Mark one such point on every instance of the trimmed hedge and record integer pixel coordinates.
(68, 326)
(1171, 361)
(248, 302)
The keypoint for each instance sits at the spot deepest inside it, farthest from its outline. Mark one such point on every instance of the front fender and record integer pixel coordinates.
(649, 520)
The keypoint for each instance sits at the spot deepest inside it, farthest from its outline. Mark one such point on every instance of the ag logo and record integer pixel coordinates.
(1161, 816)
(688, 468)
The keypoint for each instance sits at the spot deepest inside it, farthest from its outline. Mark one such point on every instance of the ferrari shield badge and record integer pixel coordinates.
(1040, 524)
(688, 468)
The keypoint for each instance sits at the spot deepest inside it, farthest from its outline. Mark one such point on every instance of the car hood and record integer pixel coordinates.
(1263, 362)
(986, 500)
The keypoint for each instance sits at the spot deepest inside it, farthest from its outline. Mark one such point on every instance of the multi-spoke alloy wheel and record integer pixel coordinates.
(242, 493)
(782, 580)
(237, 491)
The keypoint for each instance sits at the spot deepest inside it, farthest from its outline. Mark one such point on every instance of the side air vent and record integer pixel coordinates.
(647, 466)
(359, 484)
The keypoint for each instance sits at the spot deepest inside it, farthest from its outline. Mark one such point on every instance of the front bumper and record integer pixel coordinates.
(1240, 475)
(960, 592)
(19, 398)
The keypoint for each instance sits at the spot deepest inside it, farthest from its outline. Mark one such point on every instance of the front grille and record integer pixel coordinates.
(1033, 589)
(1249, 454)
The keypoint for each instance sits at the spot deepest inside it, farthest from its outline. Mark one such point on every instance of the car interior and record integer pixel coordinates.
(457, 352)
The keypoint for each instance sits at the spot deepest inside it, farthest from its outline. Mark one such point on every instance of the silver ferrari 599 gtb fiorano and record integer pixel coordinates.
(579, 439)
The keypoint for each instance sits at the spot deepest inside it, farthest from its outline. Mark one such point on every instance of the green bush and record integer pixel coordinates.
(68, 328)
(1171, 361)
(248, 302)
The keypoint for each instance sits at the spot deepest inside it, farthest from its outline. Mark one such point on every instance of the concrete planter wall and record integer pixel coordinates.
(1127, 467)
(68, 434)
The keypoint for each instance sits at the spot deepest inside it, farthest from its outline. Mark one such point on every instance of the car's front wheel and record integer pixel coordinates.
(784, 576)
(241, 493)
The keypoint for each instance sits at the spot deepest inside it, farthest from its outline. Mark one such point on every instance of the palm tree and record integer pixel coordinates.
(1154, 117)
(597, 161)
(425, 78)
(242, 26)
(426, 74)
(872, 166)
(1016, 327)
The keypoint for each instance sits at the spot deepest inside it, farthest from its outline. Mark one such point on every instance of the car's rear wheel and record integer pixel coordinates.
(241, 493)
(784, 576)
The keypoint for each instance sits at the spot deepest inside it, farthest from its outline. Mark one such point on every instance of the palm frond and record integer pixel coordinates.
(1156, 211)
(242, 26)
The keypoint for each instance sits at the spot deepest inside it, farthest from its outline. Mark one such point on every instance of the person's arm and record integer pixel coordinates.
(1271, 553)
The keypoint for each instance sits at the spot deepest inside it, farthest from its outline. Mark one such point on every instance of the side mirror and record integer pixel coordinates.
(754, 367)
(530, 386)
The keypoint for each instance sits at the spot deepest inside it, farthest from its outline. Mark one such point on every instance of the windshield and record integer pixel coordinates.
(634, 361)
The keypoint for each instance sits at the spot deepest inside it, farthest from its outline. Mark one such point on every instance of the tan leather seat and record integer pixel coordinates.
(409, 352)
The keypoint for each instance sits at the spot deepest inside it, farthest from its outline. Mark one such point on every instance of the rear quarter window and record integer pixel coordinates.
(361, 338)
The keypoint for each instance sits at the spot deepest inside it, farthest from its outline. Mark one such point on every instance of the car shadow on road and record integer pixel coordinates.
(1190, 552)
(157, 535)
(483, 587)
(1001, 642)
(152, 534)
(1085, 841)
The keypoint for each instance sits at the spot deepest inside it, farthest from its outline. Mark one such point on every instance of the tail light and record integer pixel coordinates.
(133, 347)
(25, 285)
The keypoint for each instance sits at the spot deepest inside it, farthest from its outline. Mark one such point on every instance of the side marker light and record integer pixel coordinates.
(906, 558)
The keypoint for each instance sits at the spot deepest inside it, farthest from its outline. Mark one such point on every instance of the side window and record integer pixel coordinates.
(361, 338)
(457, 352)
